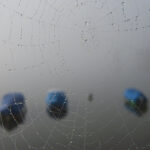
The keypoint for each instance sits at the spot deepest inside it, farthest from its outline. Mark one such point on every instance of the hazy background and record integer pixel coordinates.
(81, 46)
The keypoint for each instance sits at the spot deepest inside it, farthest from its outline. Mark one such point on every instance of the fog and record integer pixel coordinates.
(80, 46)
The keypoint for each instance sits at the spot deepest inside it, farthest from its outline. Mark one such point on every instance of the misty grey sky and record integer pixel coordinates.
(73, 43)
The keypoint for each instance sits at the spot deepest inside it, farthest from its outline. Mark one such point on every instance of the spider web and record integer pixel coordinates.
(79, 46)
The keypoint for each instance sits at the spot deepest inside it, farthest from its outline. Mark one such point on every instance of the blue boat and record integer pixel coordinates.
(56, 100)
(12, 103)
(136, 101)
(134, 96)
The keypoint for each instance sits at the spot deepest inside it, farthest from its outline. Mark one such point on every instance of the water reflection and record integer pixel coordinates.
(57, 113)
(138, 108)
(12, 110)
(11, 121)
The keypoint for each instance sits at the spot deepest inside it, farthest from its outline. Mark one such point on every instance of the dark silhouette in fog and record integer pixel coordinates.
(90, 97)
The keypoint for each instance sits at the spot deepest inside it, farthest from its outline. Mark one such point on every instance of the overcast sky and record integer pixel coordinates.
(74, 43)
